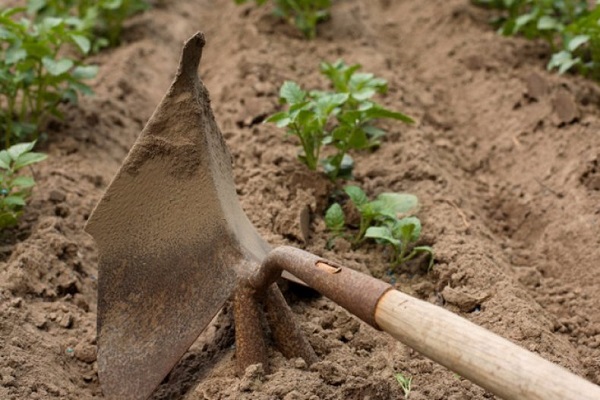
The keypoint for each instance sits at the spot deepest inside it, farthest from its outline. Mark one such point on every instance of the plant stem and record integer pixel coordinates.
(308, 156)
(9, 116)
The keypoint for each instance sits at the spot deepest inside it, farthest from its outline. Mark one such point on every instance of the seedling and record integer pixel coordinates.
(405, 383)
(35, 74)
(342, 119)
(15, 189)
(304, 14)
(388, 220)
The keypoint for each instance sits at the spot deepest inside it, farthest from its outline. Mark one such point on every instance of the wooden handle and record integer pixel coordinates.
(477, 354)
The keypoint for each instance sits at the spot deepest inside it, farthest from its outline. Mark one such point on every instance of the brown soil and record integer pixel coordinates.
(505, 159)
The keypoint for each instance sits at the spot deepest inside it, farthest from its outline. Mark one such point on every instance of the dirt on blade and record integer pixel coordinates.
(505, 159)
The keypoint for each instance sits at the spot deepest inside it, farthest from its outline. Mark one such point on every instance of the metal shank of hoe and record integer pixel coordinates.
(338, 283)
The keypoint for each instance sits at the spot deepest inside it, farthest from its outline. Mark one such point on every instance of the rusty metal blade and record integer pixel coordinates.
(172, 238)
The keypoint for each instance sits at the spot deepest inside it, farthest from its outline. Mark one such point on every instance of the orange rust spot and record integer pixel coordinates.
(327, 268)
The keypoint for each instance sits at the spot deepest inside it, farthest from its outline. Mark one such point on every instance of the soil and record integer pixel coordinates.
(505, 159)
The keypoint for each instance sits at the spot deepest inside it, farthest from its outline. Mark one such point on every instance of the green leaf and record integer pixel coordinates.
(83, 43)
(81, 87)
(23, 182)
(280, 119)
(291, 92)
(8, 218)
(51, 22)
(364, 93)
(426, 249)
(85, 72)
(563, 60)
(357, 195)
(112, 4)
(33, 6)
(57, 67)
(346, 167)
(380, 112)
(340, 133)
(5, 160)
(547, 23)
(358, 140)
(392, 205)
(521, 21)
(383, 234)
(17, 150)
(407, 229)
(13, 201)
(37, 49)
(14, 55)
(28, 159)
(328, 102)
(577, 41)
(9, 12)
(338, 166)
(350, 118)
(306, 119)
(334, 218)
(374, 134)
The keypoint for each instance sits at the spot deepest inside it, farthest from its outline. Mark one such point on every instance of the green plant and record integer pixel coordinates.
(581, 46)
(102, 20)
(15, 189)
(405, 383)
(36, 73)
(304, 14)
(388, 220)
(535, 18)
(342, 119)
(570, 27)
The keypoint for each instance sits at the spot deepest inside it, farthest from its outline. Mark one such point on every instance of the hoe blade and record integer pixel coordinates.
(172, 238)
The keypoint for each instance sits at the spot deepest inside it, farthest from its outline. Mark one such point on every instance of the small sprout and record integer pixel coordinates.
(15, 189)
(388, 220)
(334, 219)
(405, 383)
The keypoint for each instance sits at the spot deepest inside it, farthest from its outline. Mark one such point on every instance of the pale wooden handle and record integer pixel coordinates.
(477, 354)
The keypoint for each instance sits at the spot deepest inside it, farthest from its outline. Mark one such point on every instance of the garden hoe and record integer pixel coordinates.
(175, 245)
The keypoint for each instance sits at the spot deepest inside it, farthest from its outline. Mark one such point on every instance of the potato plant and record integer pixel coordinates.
(304, 14)
(388, 220)
(342, 120)
(535, 18)
(569, 26)
(36, 74)
(102, 20)
(15, 188)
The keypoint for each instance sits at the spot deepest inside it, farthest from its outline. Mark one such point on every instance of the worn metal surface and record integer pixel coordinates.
(287, 334)
(350, 289)
(172, 237)
(250, 342)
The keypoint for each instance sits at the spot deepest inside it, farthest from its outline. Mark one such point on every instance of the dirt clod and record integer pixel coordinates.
(85, 353)
(253, 378)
